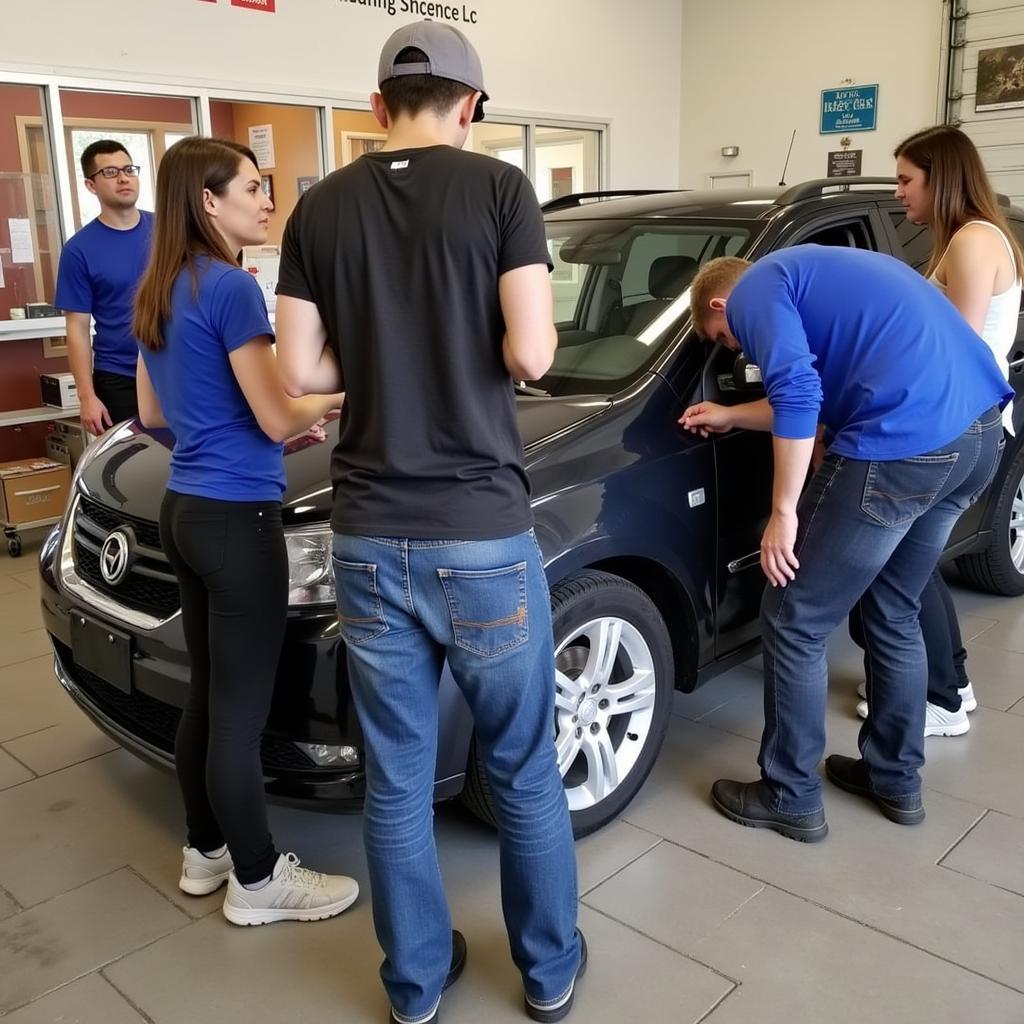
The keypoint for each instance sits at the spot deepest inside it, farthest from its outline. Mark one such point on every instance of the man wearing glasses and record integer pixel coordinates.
(99, 271)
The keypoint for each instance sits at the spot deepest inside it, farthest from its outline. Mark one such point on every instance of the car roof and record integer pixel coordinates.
(726, 204)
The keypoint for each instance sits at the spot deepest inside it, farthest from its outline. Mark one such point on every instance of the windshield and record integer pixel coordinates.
(621, 290)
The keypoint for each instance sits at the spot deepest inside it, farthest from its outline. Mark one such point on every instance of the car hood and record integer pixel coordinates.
(129, 468)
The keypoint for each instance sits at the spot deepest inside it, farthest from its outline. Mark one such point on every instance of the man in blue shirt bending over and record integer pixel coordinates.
(909, 397)
(99, 273)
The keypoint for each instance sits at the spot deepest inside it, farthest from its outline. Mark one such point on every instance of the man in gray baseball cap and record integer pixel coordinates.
(416, 279)
(449, 54)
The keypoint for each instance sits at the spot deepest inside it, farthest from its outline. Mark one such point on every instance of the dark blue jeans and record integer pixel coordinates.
(404, 606)
(871, 531)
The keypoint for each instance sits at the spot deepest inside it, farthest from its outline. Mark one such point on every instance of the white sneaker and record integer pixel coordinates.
(201, 875)
(292, 894)
(970, 702)
(940, 722)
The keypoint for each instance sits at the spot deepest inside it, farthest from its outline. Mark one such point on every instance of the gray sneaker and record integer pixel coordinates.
(293, 894)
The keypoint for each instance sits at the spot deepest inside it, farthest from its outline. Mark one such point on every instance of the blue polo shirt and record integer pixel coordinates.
(859, 341)
(99, 273)
(219, 451)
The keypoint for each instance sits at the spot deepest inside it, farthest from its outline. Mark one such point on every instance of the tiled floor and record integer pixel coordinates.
(689, 918)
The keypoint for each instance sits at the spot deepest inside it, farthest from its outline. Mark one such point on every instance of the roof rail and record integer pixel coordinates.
(818, 187)
(580, 198)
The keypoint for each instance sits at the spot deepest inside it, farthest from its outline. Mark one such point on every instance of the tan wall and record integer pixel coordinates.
(296, 152)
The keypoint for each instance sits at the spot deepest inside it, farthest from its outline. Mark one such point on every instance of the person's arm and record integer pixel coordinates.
(792, 457)
(971, 266)
(711, 418)
(528, 308)
(150, 412)
(279, 415)
(94, 415)
(307, 362)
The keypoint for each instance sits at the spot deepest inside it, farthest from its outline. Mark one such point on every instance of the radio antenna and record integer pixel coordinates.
(788, 155)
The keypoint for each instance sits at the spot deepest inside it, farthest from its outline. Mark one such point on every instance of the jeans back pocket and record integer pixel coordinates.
(487, 608)
(360, 614)
(898, 492)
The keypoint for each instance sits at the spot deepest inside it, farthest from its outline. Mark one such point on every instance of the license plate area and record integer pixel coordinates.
(103, 651)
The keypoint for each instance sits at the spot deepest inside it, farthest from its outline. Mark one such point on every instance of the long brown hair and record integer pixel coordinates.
(182, 231)
(961, 191)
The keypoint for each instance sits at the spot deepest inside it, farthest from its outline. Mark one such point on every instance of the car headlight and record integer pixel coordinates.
(310, 569)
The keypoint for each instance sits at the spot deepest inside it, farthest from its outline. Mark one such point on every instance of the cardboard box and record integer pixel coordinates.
(32, 490)
(59, 390)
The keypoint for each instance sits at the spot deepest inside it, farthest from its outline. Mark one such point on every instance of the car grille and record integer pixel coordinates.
(156, 723)
(150, 585)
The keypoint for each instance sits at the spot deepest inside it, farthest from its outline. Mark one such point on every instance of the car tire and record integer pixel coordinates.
(608, 732)
(999, 569)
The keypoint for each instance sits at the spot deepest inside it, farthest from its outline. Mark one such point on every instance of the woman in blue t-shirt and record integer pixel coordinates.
(208, 371)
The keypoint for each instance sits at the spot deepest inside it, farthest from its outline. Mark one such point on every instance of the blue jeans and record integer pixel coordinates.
(875, 529)
(405, 606)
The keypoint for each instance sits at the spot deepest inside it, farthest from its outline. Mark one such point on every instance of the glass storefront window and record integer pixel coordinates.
(566, 160)
(502, 141)
(145, 125)
(355, 132)
(29, 225)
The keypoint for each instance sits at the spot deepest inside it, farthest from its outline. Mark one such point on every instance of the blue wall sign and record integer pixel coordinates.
(852, 109)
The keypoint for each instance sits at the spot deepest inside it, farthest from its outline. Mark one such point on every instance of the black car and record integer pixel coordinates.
(650, 535)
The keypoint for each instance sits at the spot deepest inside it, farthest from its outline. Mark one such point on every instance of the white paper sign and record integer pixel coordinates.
(261, 142)
(22, 250)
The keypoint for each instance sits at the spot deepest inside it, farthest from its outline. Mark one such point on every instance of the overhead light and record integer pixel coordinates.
(730, 151)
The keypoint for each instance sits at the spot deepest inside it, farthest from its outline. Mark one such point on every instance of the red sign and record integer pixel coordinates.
(270, 6)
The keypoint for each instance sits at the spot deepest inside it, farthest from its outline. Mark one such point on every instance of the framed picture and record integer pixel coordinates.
(1000, 78)
(267, 184)
(355, 144)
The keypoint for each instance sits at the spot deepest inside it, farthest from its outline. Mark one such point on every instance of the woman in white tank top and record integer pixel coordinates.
(978, 264)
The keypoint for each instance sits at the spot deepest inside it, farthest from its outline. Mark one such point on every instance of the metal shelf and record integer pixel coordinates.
(43, 414)
(27, 330)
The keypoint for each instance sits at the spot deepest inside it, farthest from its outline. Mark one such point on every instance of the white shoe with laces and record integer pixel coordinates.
(937, 721)
(293, 894)
(201, 875)
(969, 701)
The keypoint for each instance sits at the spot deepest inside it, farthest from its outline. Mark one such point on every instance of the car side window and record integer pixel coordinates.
(916, 241)
(853, 234)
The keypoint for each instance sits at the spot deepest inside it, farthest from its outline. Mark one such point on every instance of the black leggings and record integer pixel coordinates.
(232, 568)
(940, 628)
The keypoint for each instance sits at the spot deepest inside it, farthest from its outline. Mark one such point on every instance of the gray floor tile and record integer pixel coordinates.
(674, 896)
(993, 852)
(90, 1000)
(20, 611)
(64, 744)
(18, 646)
(8, 908)
(1008, 633)
(1018, 708)
(997, 675)
(797, 962)
(869, 868)
(31, 542)
(47, 946)
(31, 698)
(985, 766)
(737, 682)
(13, 585)
(77, 824)
(11, 772)
(973, 627)
(604, 853)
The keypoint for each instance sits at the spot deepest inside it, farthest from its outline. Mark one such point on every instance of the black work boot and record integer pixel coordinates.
(851, 774)
(749, 803)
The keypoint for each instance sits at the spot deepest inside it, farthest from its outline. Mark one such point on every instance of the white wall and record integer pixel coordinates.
(753, 71)
(571, 58)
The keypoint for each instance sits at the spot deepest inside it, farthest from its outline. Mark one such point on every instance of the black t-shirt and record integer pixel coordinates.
(401, 253)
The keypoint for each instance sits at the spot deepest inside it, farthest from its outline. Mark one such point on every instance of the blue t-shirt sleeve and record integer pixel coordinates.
(763, 317)
(238, 311)
(74, 286)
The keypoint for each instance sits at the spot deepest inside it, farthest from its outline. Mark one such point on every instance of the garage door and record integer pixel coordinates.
(987, 72)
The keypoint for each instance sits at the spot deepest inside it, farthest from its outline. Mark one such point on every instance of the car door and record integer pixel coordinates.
(744, 457)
